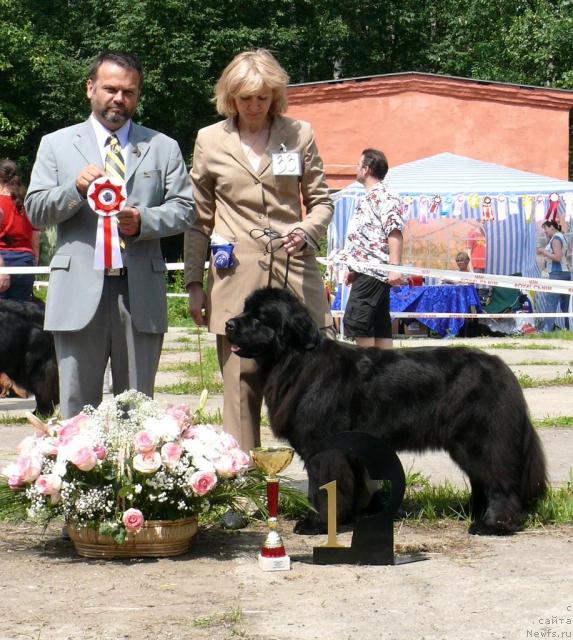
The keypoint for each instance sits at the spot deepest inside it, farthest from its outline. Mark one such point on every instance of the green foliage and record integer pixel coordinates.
(47, 46)
(556, 507)
(554, 422)
(12, 504)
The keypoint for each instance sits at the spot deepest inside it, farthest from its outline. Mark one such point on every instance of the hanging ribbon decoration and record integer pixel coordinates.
(527, 204)
(486, 210)
(539, 211)
(551, 215)
(406, 204)
(423, 209)
(501, 207)
(436, 205)
(105, 197)
(473, 201)
(458, 205)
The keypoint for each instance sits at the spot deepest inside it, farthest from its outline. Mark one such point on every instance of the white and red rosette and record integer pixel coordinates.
(106, 196)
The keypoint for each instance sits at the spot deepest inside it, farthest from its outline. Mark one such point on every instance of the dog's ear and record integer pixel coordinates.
(305, 333)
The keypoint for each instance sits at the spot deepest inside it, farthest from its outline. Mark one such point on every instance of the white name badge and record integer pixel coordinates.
(286, 164)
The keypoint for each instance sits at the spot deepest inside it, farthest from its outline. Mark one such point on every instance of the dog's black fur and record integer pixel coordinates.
(27, 352)
(461, 400)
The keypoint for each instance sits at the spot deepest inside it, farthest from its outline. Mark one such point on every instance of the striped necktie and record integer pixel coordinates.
(114, 164)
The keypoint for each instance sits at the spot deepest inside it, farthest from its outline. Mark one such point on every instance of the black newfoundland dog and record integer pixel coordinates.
(461, 400)
(27, 354)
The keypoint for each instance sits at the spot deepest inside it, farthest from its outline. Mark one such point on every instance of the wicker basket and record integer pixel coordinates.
(156, 539)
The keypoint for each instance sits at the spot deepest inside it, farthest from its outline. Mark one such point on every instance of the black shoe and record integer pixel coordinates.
(233, 519)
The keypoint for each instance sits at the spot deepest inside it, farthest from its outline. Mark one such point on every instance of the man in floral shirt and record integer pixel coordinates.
(374, 239)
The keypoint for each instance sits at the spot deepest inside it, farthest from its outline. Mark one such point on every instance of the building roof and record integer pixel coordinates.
(465, 88)
(448, 173)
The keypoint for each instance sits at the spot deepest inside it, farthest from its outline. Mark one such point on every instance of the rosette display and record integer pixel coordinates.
(106, 196)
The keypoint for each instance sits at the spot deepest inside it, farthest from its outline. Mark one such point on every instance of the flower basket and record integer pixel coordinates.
(156, 539)
(130, 477)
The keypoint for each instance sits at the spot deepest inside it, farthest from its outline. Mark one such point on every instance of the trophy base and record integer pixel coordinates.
(274, 564)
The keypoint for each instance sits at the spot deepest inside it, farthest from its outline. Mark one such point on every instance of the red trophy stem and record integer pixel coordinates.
(273, 497)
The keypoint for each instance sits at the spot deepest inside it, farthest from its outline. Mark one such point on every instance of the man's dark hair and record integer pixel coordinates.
(376, 162)
(121, 59)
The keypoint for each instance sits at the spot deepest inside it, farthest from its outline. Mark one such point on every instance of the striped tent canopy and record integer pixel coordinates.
(449, 188)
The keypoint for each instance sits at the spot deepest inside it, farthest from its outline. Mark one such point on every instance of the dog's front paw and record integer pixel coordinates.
(310, 525)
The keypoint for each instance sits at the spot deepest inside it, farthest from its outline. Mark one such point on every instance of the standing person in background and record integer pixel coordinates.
(476, 246)
(19, 241)
(555, 253)
(100, 313)
(374, 236)
(250, 172)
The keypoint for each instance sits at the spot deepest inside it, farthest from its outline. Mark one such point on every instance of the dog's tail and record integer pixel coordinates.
(534, 472)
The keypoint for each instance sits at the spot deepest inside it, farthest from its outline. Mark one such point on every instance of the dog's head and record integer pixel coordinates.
(273, 322)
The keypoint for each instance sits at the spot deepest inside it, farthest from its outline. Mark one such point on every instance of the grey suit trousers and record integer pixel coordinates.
(83, 355)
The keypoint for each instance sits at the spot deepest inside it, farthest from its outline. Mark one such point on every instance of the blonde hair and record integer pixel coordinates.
(246, 74)
(462, 255)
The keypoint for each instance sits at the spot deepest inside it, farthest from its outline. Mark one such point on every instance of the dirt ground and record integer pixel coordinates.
(471, 588)
(468, 587)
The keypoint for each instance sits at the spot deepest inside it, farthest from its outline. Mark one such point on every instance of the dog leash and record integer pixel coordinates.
(271, 246)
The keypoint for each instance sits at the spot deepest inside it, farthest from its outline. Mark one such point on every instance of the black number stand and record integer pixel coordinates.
(373, 534)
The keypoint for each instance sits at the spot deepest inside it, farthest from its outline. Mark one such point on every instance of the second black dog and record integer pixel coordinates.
(27, 354)
(461, 400)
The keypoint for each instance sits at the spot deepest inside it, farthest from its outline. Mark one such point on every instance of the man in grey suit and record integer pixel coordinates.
(100, 313)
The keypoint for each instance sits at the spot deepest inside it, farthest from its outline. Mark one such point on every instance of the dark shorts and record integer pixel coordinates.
(367, 313)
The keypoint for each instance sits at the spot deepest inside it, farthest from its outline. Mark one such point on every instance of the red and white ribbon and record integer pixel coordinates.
(106, 196)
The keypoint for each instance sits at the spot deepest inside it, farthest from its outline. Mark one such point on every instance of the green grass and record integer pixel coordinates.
(7, 418)
(556, 507)
(12, 504)
(550, 335)
(190, 388)
(560, 422)
(541, 363)
(203, 374)
(227, 620)
(516, 346)
(424, 502)
(527, 382)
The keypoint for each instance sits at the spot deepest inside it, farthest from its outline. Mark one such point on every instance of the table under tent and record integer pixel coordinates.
(449, 200)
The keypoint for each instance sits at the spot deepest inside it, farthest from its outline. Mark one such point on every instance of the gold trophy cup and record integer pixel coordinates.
(272, 460)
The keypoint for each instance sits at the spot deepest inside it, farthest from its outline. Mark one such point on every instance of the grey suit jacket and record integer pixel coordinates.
(157, 184)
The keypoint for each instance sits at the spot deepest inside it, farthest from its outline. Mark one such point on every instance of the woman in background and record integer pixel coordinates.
(555, 253)
(19, 241)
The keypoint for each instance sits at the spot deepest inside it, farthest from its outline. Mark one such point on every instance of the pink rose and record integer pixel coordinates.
(15, 481)
(232, 463)
(83, 457)
(70, 428)
(49, 485)
(27, 445)
(170, 454)
(228, 441)
(202, 482)
(181, 414)
(100, 451)
(147, 462)
(67, 432)
(144, 442)
(133, 519)
(29, 467)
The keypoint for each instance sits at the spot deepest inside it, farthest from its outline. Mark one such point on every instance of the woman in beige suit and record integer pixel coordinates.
(250, 173)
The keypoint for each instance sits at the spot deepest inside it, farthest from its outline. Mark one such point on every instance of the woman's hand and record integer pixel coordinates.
(294, 242)
(197, 303)
(4, 282)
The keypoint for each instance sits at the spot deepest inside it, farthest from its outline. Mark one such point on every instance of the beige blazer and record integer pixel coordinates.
(232, 199)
